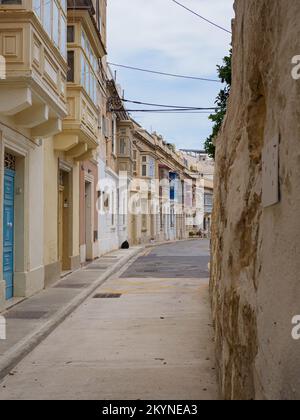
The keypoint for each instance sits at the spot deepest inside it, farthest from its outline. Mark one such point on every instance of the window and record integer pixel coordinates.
(144, 170)
(98, 16)
(55, 24)
(208, 199)
(64, 5)
(82, 71)
(83, 41)
(54, 20)
(113, 135)
(70, 73)
(10, 1)
(151, 167)
(37, 7)
(63, 36)
(122, 146)
(71, 34)
(48, 17)
(103, 125)
(148, 166)
(89, 67)
(135, 162)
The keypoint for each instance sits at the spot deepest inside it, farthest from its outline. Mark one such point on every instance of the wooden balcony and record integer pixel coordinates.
(33, 73)
(79, 137)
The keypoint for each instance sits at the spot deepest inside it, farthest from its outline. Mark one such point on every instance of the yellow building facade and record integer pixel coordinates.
(71, 168)
(32, 108)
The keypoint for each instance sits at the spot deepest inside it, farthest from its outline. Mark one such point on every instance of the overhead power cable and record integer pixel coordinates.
(173, 110)
(172, 106)
(164, 74)
(201, 17)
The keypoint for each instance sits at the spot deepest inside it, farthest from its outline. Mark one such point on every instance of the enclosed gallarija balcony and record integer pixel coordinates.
(33, 64)
(80, 135)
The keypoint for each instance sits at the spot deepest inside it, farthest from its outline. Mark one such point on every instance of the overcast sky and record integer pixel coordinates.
(159, 35)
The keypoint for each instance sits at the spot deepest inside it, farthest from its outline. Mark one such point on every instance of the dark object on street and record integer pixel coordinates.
(125, 245)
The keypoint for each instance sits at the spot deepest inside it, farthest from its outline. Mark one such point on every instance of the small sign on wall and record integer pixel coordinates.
(270, 173)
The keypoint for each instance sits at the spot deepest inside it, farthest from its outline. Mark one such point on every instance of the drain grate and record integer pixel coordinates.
(25, 314)
(97, 267)
(71, 286)
(107, 296)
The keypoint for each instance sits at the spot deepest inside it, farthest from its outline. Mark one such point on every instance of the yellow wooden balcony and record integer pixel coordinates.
(33, 65)
(80, 129)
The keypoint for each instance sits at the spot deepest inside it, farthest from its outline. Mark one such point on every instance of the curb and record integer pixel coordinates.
(13, 356)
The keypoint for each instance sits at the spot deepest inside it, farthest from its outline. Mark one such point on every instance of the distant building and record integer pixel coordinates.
(201, 170)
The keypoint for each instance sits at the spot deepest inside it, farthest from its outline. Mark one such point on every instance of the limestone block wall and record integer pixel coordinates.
(255, 278)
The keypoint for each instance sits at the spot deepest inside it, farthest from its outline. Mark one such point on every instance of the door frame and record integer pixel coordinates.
(19, 146)
(89, 215)
(67, 220)
(9, 173)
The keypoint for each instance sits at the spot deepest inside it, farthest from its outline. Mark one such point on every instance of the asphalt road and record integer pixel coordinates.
(145, 334)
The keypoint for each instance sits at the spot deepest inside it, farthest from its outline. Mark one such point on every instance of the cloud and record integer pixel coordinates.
(160, 35)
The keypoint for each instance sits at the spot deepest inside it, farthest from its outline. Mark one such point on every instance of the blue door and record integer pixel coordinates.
(8, 231)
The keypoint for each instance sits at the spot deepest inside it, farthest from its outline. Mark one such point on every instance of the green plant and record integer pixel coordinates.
(225, 74)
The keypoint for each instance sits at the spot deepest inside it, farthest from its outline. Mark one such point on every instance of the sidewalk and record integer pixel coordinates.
(32, 320)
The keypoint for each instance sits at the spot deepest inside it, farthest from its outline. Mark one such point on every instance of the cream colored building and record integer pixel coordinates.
(201, 172)
(78, 177)
(115, 167)
(32, 107)
(157, 191)
(71, 170)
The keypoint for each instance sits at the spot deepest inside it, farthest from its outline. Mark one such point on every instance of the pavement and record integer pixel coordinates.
(142, 334)
(30, 321)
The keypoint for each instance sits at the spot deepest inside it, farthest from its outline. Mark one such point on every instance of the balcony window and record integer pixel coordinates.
(11, 2)
(88, 72)
(48, 17)
(64, 5)
(122, 146)
(37, 7)
(70, 73)
(63, 35)
(208, 199)
(87, 48)
(52, 15)
(55, 24)
(113, 135)
(71, 34)
(135, 162)
(148, 167)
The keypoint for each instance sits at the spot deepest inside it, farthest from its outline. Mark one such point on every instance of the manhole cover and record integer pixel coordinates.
(107, 296)
(25, 314)
(71, 286)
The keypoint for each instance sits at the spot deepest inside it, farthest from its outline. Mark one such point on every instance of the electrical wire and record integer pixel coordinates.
(171, 106)
(201, 17)
(163, 73)
(178, 112)
(184, 111)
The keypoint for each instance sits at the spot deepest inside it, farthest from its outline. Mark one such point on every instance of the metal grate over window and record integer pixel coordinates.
(9, 161)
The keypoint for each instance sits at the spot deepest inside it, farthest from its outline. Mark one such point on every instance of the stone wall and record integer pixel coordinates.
(255, 279)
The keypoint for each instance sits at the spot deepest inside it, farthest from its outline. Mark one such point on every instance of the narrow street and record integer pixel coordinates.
(144, 334)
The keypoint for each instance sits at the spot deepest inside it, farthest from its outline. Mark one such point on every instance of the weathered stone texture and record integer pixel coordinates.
(255, 278)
